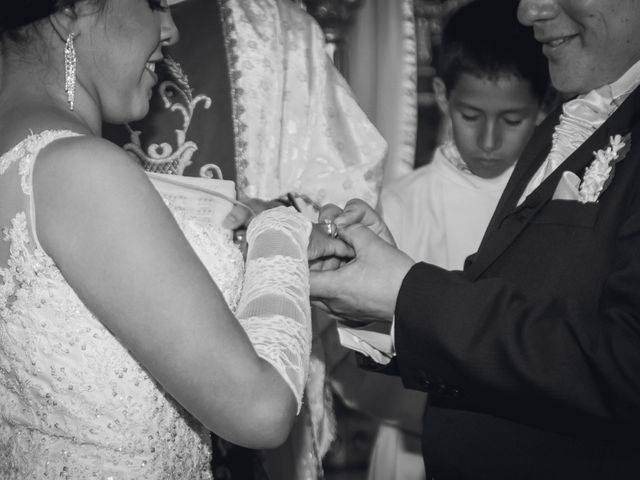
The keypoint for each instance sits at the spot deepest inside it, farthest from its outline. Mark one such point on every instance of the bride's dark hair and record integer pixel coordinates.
(16, 14)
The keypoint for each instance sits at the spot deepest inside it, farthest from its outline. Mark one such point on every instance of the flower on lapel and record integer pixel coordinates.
(599, 174)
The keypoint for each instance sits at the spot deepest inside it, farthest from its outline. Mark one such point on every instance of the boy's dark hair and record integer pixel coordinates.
(484, 38)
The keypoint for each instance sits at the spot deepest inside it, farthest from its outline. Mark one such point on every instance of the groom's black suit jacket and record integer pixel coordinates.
(531, 356)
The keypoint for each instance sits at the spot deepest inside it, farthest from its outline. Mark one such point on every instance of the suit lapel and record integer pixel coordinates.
(530, 160)
(509, 220)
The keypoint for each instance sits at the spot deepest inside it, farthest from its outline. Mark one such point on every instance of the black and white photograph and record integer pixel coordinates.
(320, 239)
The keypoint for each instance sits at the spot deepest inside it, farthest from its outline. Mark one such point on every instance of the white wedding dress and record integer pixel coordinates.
(73, 402)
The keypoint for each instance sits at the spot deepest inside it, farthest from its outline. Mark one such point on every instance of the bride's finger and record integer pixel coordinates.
(237, 217)
(322, 245)
(329, 212)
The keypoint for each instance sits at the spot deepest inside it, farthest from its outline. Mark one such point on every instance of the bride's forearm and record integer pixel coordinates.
(274, 307)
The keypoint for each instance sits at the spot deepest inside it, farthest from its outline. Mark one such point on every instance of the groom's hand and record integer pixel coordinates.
(358, 211)
(366, 288)
(355, 211)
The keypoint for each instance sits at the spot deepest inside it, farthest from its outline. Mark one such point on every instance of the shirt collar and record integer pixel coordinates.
(452, 155)
(616, 92)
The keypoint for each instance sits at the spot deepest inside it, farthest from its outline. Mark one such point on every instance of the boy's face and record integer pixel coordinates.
(492, 120)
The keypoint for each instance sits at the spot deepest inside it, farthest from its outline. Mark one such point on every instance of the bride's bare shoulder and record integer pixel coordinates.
(80, 172)
(82, 153)
(77, 179)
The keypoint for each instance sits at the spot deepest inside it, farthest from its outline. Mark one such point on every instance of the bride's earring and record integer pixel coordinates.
(70, 69)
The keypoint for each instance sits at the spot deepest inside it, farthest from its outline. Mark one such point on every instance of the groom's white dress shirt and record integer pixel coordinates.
(580, 118)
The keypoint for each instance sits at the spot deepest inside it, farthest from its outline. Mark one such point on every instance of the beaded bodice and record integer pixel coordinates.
(73, 402)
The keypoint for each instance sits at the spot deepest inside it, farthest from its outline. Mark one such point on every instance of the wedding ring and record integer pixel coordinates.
(330, 228)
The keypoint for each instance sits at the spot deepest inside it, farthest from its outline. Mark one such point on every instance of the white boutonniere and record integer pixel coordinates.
(599, 174)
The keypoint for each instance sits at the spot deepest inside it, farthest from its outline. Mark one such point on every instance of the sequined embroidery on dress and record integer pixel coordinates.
(73, 402)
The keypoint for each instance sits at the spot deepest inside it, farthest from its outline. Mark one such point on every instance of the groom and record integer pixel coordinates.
(531, 356)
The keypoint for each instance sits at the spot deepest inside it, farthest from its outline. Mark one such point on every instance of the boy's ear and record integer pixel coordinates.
(63, 22)
(440, 91)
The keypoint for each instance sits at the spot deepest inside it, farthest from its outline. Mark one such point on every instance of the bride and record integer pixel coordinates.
(119, 315)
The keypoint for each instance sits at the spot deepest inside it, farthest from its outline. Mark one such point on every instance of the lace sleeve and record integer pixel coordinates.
(274, 306)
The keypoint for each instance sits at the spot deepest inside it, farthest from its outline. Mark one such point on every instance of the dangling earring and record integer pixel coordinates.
(70, 69)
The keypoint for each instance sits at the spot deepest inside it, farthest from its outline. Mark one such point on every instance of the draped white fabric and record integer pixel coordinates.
(382, 70)
(298, 125)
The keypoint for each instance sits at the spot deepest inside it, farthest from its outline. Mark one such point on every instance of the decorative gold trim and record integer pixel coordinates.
(237, 110)
(176, 95)
(409, 111)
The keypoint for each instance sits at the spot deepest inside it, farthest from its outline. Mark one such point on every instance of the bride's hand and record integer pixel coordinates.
(241, 214)
(326, 252)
